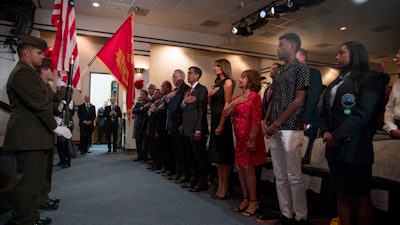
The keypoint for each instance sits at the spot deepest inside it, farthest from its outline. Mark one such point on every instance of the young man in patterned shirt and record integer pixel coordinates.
(285, 131)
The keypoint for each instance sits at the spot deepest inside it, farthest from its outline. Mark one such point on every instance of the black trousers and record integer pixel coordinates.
(197, 158)
(178, 149)
(112, 131)
(85, 139)
(100, 134)
(167, 157)
(139, 139)
(63, 151)
(155, 154)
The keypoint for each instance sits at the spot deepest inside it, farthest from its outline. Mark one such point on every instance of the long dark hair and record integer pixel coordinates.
(359, 60)
(226, 70)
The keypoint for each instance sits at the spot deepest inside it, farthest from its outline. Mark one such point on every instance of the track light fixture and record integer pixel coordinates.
(258, 23)
(258, 18)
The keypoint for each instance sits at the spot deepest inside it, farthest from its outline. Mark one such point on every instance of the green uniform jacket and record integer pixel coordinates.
(31, 121)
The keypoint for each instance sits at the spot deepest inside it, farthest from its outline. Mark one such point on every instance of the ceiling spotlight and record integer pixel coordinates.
(273, 10)
(95, 4)
(242, 29)
(234, 30)
(263, 14)
(290, 3)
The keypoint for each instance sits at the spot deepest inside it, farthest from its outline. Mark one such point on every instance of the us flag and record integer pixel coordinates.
(65, 46)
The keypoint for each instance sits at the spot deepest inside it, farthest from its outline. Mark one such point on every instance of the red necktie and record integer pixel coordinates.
(190, 91)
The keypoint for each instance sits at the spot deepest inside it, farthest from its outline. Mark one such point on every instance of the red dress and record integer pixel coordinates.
(244, 116)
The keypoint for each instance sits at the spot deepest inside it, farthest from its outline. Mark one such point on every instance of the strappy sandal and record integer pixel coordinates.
(238, 209)
(248, 213)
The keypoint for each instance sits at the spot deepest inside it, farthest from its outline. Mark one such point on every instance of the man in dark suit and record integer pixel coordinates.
(195, 128)
(164, 138)
(101, 118)
(268, 91)
(139, 112)
(86, 114)
(311, 111)
(175, 122)
(29, 132)
(113, 114)
(154, 143)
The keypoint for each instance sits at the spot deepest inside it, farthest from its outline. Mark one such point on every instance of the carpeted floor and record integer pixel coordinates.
(103, 188)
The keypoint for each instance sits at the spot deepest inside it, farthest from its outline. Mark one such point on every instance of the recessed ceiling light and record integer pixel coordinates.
(95, 4)
(343, 28)
(359, 2)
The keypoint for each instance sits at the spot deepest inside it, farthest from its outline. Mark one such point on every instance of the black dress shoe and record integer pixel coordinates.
(198, 188)
(55, 200)
(43, 221)
(49, 206)
(182, 180)
(66, 166)
(188, 185)
(168, 174)
(176, 177)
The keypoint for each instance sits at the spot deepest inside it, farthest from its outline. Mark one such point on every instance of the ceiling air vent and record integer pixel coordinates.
(381, 28)
(210, 23)
(323, 45)
(139, 11)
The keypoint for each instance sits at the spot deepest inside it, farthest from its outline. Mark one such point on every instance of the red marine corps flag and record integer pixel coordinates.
(117, 55)
(65, 46)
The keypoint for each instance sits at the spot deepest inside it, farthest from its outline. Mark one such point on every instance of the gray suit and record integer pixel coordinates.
(195, 114)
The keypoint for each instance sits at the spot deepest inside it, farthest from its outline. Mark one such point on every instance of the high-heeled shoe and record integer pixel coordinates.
(238, 209)
(226, 196)
(249, 213)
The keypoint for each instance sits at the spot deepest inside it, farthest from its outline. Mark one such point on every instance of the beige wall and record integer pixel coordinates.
(165, 59)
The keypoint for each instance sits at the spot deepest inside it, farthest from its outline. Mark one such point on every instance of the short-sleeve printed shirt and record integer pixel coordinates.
(295, 76)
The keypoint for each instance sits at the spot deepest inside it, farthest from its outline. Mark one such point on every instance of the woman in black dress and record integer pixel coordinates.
(221, 146)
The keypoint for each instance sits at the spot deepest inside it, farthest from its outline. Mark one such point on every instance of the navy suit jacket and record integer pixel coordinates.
(175, 112)
(141, 117)
(265, 101)
(311, 112)
(352, 118)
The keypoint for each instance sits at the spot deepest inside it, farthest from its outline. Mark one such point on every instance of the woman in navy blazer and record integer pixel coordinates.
(348, 124)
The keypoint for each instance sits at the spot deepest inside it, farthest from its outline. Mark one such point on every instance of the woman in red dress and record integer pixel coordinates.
(250, 149)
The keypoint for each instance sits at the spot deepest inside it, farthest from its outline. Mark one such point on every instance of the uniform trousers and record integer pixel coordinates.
(49, 172)
(25, 200)
(285, 147)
